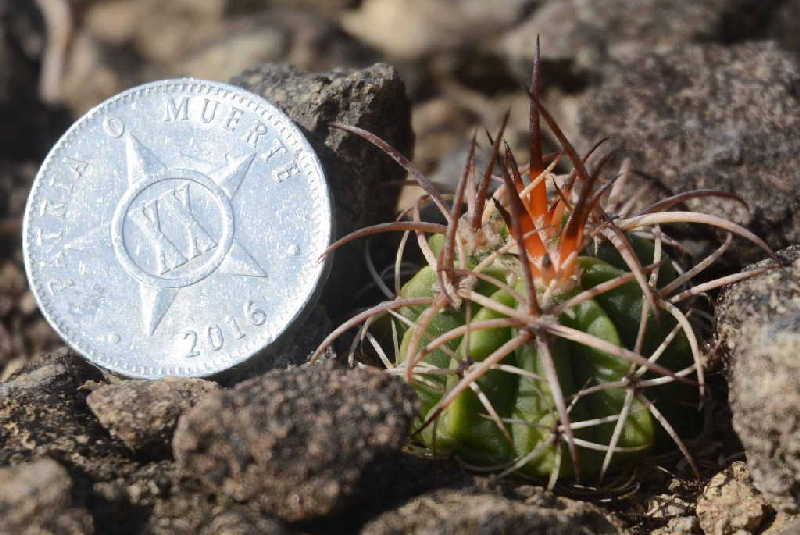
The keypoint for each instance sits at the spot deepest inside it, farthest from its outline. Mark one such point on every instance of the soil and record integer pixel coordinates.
(715, 99)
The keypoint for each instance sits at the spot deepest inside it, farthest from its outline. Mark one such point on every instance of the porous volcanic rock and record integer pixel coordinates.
(708, 116)
(447, 512)
(373, 99)
(729, 503)
(143, 414)
(295, 443)
(758, 323)
(35, 498)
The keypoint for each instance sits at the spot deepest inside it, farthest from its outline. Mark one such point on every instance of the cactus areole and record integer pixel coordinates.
(550, 332)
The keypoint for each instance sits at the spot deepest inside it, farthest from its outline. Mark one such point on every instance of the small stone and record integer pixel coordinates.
(708, 116)
(758, 324)
(672, 514)
(294, 443)
(666, 506)
(35, 498)
(683, 525)
(451, 512)
(427, 27)
(243, 522)
(143, 414)
(730, 505)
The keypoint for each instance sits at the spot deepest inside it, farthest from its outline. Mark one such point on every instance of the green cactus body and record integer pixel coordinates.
(524, 404)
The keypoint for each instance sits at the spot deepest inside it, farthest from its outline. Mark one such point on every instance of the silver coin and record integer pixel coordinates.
(176, 229)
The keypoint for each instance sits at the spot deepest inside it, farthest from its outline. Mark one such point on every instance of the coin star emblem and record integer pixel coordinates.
(172, 228)
(175, 230)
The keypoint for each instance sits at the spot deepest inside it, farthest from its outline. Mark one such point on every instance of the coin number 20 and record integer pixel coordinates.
(215, 335)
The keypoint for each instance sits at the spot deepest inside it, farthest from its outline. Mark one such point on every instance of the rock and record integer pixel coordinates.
(730, 505)
(787, 527)
(706, 116)
(160, 32)
(430, 26)
(35, 498)
(684, 525)
(43, 413)
(243, 522)
(142, 487)
(758, 324)
(183, 513)
(120, 43)
(586, 35)
(672, 513)
(143, 414)
(472, 513)
(295, 443)
(303, 39)
(357, 172)
(188, 513)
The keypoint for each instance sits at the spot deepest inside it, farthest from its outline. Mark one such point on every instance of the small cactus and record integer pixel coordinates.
(544, 336)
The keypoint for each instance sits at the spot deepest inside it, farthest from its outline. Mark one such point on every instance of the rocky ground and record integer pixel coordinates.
(697, 94)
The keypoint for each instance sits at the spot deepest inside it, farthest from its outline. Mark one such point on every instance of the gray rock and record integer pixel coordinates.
(43, 413)
(295, 443)
(710, 117)
(730, 505)
(35, 499)
(143, 414)
(453, 512)
(373, 99)
(758, 323)
(584, 35)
